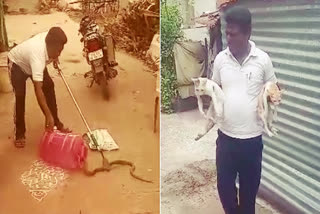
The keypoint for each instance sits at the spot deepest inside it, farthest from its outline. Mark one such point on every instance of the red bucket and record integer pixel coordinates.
(67, 151)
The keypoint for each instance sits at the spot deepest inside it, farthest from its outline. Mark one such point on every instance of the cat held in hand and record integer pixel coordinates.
(204, 86)
(268, 102)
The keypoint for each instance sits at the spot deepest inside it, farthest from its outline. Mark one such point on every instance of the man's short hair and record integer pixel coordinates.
(240, 16)
(56, 36)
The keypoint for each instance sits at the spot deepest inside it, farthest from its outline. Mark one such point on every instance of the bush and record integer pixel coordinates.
(171, 32)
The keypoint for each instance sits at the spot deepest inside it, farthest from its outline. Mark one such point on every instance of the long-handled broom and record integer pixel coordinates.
(106, 166)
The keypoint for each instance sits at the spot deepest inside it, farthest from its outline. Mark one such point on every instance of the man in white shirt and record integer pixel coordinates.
(29, 59)
(241, 70)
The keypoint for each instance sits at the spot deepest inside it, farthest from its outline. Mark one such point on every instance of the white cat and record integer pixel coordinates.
(204, 86)
(268, 101)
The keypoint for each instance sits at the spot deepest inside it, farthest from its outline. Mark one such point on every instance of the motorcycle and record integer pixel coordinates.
(96, 49)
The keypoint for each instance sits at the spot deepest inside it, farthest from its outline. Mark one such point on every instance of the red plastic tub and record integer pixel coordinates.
(67, 151)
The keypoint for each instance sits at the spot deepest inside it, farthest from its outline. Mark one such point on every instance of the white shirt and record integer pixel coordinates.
(31, 56)
(241, 85)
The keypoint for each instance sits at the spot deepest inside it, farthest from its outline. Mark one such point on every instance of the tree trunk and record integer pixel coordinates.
(3, 31)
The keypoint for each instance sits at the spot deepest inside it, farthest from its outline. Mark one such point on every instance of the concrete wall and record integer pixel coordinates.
(193, 8)
(186, 11)
(5, 84)
(201, 6)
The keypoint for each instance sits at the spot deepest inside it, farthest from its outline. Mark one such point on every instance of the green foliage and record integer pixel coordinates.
(171, 32)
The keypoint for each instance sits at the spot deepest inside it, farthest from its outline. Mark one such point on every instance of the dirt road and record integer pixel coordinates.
(188, 171)
(128, 116)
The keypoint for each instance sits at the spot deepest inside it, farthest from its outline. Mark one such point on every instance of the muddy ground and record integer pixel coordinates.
(128, 116)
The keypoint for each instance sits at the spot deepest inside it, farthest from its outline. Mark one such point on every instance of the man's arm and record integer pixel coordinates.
(43, 104)
(38, 65)
(216, 72)
(269, 75)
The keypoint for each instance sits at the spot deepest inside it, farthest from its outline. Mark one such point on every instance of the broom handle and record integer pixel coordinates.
(76, 104)
(74, 100)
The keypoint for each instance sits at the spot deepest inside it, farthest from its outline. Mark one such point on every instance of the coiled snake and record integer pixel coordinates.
(107, 166)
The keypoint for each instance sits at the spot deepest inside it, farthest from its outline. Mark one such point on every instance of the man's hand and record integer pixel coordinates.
(49, 123)
(56, 63)
(203, 113)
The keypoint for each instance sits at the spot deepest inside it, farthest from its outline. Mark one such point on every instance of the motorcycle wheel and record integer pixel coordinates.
(104, 86)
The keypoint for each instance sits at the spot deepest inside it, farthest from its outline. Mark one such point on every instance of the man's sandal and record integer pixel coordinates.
(20, 143)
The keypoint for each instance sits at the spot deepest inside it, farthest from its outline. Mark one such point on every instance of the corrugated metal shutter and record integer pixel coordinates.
(290, 33)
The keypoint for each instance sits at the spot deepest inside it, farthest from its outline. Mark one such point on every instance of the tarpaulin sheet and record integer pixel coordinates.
(190, 62)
